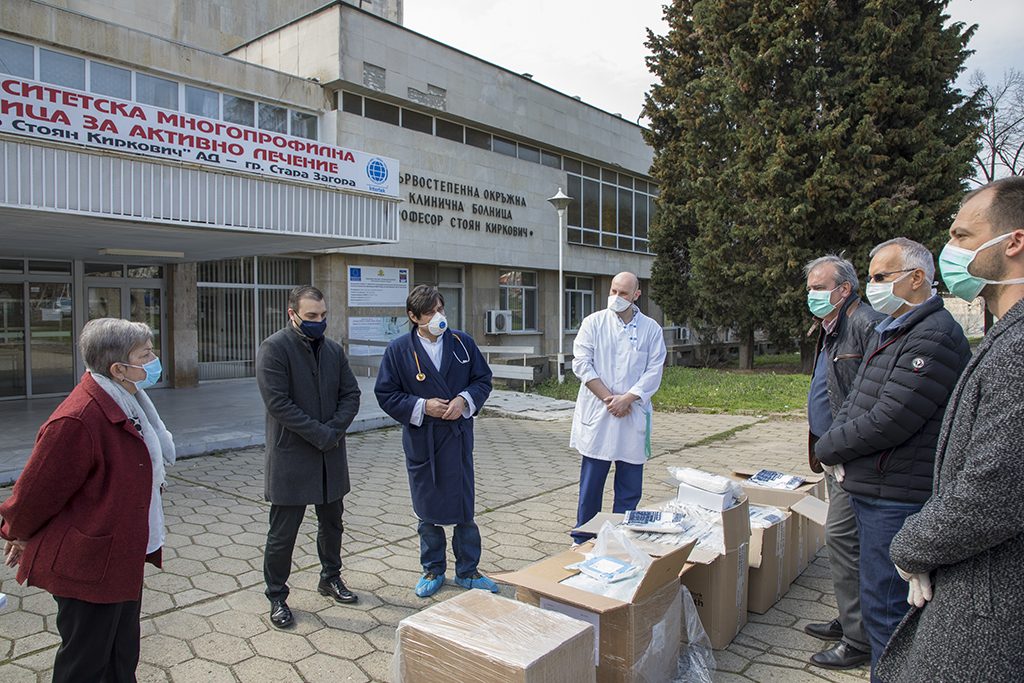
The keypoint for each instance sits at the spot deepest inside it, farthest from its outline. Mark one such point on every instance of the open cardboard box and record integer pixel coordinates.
(769, 566)
(636, 640)
(805, 534)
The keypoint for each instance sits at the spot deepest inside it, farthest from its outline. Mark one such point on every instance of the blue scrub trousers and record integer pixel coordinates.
(629, 483)
(465, 546)
(883, 593)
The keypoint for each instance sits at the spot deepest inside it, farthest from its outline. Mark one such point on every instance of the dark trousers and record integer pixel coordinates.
(284, 528)
(99, 642)
(883, 593)
(629, 485)
(465, 546)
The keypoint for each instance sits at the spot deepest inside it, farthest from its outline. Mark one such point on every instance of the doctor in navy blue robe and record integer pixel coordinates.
(434, 381)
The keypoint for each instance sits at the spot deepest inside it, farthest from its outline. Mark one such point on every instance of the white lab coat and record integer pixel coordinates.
(603, 350)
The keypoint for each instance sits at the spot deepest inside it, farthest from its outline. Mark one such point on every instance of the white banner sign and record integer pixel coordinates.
(377, 286)
(42, 111)
(384, 329)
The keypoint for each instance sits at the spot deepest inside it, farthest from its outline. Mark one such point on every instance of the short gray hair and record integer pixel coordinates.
(844, 270)
(106, 341)
(913, 255)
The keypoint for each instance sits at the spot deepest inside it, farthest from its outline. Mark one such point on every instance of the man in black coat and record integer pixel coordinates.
(884, 437)
(846, 329)
(311, 397)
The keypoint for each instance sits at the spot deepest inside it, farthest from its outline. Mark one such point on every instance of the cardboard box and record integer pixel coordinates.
(799, 536)
(637, 640)
(769, 566)
(478, 637)
(719, 584)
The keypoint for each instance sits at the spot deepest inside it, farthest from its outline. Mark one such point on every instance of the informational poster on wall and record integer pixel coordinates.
(368, 286)
(374, 328)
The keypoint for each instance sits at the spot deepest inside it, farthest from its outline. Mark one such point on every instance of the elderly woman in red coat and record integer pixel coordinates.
(85, 515)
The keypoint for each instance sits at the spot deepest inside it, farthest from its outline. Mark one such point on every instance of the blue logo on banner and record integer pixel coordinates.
(377, 170)
(355, 274)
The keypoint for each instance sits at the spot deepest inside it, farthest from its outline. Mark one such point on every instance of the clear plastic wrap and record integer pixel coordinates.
(479, 637)
(763, 516)
(615, 543)
(696, 659)
(713, 483)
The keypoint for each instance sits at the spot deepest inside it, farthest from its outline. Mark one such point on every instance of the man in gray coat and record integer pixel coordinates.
(311, 397)
(963, 552)
(846, 331)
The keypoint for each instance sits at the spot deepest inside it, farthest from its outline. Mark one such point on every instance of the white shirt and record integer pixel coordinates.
(603, 350)
(435, 349)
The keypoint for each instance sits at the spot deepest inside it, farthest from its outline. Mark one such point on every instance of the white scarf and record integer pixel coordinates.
(141, 411)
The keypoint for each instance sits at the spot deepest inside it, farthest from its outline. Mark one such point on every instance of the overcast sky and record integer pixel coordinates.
(595, 48)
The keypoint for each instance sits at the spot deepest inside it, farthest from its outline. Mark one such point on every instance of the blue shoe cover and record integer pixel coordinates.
(477, 580)
(429, 584)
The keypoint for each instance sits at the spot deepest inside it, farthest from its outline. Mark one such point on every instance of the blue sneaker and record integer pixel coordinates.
(477, 580)
(429, 584)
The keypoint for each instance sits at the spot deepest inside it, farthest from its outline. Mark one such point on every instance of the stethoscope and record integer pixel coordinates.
(419, 373)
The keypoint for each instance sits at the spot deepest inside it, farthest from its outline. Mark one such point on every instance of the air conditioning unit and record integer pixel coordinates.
(683, 334)
(499, 322)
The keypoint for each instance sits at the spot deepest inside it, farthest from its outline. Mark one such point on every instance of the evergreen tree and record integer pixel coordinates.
(785, 130)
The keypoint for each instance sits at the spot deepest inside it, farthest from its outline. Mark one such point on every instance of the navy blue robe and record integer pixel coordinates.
(439, 453)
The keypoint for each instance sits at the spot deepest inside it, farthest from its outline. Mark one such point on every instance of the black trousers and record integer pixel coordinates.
(284, 528)
(99, 642)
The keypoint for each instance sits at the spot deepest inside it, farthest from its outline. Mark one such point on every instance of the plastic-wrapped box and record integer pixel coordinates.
(479, 637)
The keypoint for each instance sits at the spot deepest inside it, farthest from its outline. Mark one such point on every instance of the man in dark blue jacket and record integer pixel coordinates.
(883, 440)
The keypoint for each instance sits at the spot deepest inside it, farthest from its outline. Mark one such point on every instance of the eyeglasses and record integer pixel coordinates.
(880, 277)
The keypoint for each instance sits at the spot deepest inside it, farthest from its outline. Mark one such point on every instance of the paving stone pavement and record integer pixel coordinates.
(205, 618)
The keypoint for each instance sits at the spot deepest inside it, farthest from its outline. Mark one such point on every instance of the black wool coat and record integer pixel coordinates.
(310, 403)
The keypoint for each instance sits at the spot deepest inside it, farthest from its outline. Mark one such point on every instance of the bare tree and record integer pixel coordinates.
(1001, 143)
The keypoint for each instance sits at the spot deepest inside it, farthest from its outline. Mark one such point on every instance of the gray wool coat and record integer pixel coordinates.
(970, 533)
(309, 406)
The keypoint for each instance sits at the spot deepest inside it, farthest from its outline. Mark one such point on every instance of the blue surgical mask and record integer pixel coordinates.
(153, 370)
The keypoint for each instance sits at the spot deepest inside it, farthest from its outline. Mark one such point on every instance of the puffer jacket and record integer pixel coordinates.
(886, 431)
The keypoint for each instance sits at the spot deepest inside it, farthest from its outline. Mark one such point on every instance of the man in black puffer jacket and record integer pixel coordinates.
(885, 435)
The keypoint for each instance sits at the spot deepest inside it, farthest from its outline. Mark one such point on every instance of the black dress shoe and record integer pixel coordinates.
(280, 615)
(336, 589)
(833, 630)
(842, 656)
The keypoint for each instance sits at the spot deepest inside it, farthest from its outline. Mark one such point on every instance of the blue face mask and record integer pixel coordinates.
(153, 370)
(313, 330)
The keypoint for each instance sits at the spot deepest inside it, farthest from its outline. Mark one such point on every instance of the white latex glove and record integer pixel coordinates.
(839, 472)
(828, 468)
(920, 587)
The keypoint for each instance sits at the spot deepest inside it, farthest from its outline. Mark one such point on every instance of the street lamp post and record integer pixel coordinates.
(561, 202)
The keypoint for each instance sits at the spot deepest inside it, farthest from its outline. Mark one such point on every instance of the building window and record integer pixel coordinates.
(579, 300)
(110, 81)
(16, 59)
(158, 92)
(351, 103)
(609, 209)
(382, 111)
(478, 138)
(274, 119)
(503, 146)
(303, 125)
(449, 130)
(239, 110)
(518, 293)
(414, 120)
(202, 102)
(60, 69)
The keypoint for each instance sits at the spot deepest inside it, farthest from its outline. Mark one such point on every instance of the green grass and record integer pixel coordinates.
(719, 390)
(776, 359)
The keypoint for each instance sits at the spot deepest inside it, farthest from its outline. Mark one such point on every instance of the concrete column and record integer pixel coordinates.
(183, 361)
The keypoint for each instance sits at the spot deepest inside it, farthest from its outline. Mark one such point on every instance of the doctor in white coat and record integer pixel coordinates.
(618, 357)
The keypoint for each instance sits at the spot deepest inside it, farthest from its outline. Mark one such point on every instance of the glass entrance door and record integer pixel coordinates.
(113, 299)
(51, 338)
(12, 339)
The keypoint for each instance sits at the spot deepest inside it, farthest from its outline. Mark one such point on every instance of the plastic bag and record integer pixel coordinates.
(613, 542)
(763, 516)
(705, 480)
(696, 659)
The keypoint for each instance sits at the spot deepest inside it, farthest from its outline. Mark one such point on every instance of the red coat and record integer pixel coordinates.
(83, 502)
